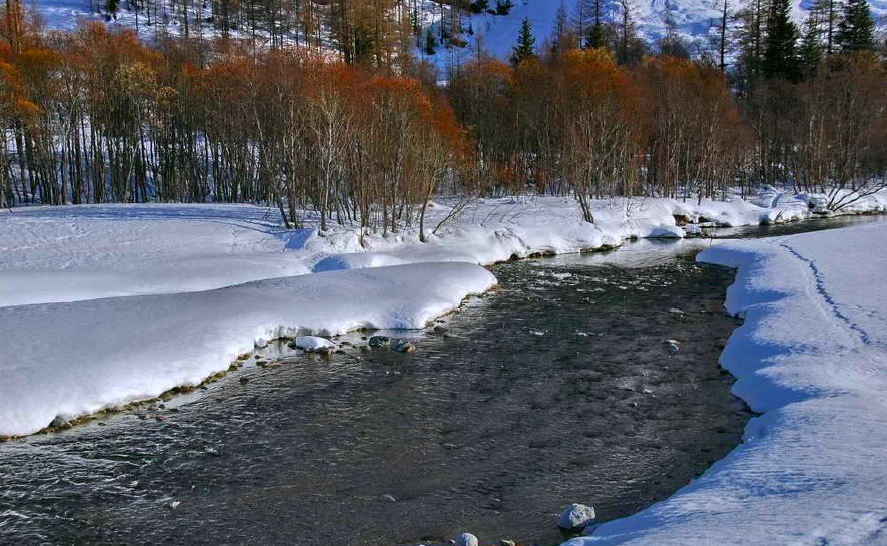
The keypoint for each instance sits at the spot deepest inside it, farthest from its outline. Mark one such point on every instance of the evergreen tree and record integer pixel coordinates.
(525, 48)
(560, 29)
(110, 9)
(595, 37)
(825, 13)
(748, 34)
(856, 31)
(780, 47)
(811, 47)
(430, 42)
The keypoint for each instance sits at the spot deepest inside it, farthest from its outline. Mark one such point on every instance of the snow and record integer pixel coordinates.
(811, 356)
(133, 300)
(76, 358)
(312, 343)
(497, 34)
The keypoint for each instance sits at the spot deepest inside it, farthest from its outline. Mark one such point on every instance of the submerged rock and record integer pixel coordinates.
(380, 341)
(673, 346)
(466, 539)
(576, 517)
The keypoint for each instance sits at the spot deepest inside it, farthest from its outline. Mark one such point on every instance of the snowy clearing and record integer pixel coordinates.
(812, 357)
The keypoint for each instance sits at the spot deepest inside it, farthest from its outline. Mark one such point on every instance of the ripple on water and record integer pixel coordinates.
(491, 428)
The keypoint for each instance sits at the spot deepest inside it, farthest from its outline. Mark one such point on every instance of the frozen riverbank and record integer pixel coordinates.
(118, 255)
(812, 356)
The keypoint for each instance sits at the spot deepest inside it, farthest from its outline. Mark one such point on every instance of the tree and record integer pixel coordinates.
(811, 49)
(780, 59)
(525, 48)
(824, 15)
(558, 34)
(856, 31)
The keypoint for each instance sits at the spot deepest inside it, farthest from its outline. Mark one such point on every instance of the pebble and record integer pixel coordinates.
(505, 542)
(389, 498)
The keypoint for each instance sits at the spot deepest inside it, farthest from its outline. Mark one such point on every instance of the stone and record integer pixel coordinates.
(244, 380)
(505, 542)
(380, 341)
(58, 422)
(402, 346)
(466, 539)
(389, 498)
(576, 517)
(673, 346)
(175, 504)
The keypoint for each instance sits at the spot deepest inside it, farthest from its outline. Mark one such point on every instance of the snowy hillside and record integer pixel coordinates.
(497, 33)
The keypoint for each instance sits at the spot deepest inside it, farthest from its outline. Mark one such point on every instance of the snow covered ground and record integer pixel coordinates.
(105, 304)
(812, 357)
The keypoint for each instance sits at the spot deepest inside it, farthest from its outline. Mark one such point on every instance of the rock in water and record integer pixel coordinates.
(58, 422)
(575, 517)
(466, 539)
(402, 346)
(674, 346)
(313, 343)
(380, 341)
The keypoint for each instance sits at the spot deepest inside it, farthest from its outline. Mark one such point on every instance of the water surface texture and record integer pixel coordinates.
(557, 387)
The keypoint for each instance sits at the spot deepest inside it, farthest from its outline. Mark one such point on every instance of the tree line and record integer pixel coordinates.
(95, 115)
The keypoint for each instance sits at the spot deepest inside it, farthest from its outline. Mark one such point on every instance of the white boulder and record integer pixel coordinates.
(575, 517)
(313, 343)
(466, 539)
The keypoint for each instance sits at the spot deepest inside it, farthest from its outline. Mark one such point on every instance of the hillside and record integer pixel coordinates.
(497, 33)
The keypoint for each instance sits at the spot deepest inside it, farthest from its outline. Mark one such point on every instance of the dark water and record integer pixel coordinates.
(555, 388)
(812, 224)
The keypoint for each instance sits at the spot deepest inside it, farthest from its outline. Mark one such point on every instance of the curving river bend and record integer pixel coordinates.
(558, 387)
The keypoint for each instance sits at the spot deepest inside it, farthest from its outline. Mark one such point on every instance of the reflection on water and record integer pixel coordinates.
(555, 388)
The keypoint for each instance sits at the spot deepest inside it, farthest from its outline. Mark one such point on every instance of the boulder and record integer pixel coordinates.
(576, 517)
(380, 341)
(403, 346)
(313, 343)
(466, 539)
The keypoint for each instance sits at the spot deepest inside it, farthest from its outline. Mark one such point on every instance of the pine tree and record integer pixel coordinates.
(110, 9)
(780, 47)
(595, 37)
(560, 29)
(856, 31)
(525, 48)
(811, 48)
(825, 13)
(430, 42)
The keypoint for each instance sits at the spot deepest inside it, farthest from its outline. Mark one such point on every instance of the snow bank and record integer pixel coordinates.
(75, 358)
(51, 254)
(812, 356)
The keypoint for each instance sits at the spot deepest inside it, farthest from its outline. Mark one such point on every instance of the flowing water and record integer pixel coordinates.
(557, 387)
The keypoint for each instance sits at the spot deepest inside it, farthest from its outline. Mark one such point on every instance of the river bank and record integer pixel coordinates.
(141, 299)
